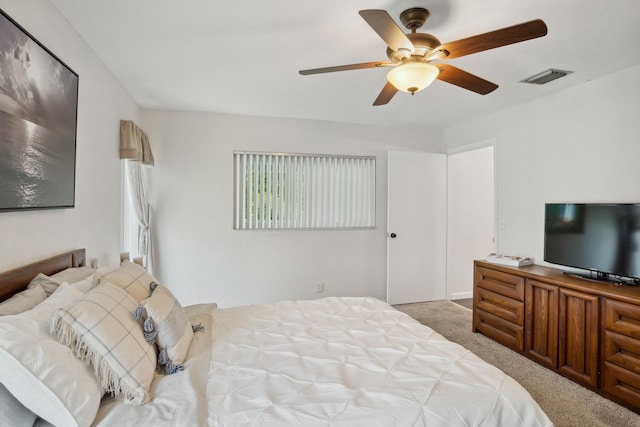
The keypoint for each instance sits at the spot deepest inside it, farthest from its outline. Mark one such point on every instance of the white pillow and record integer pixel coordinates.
(170, 325)
(131, 277)
(47, 283)
(69, 275)
(12, 412)
(73, 274)
(84, 285)
(23, 301)
(43, 374)
(101, 330)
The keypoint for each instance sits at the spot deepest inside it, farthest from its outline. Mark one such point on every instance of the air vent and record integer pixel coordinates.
(546, 76)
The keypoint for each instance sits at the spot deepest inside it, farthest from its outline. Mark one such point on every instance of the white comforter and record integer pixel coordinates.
(352, 362)
(332, 361)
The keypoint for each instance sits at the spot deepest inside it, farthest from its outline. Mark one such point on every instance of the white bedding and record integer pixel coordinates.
(332, 361)
(352, 362)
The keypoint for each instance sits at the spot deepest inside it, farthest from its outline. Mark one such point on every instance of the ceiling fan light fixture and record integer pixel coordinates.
(412, 77)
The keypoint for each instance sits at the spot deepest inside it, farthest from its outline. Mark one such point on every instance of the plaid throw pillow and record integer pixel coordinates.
(131, 277)
(168, 324)
(101, 330)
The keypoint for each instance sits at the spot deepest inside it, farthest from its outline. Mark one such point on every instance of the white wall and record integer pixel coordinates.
(580, 145)
(201, 258)
(471, 215)
(94, 223)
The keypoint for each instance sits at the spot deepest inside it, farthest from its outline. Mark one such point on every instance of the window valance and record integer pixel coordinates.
(134, 143)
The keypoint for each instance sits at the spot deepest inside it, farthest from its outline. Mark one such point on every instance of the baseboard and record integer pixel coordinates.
(461, 295)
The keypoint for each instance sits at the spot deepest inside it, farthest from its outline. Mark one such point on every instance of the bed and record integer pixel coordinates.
(331, 361)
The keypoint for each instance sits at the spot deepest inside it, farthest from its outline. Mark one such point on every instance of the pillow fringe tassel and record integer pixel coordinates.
(139, 313)
(170, 368)
(149, 331)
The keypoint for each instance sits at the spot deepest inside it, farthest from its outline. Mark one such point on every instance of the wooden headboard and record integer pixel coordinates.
(16, 280)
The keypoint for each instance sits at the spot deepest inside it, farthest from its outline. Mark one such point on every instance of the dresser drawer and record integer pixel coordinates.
(509, 285)
(503, 307)
(505, 332)
(621, 383)
(622, 318)
(622, 351)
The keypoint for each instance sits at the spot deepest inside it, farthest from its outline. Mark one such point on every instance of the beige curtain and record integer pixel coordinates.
(134, 143)
(139, 194)
(136, 151)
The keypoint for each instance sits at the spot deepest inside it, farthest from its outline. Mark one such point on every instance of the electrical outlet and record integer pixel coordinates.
(319, 287)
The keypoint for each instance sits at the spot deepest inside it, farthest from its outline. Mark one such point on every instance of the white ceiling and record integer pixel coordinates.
(243, 57)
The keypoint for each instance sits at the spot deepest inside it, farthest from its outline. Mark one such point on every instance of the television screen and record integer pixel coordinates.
(604, 238)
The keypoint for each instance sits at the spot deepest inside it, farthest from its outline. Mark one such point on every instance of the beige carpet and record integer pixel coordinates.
(566, 403)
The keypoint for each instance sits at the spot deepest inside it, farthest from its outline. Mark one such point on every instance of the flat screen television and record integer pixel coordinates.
(601, 238)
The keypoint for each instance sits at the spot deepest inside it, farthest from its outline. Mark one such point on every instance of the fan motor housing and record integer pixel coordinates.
(424, 44)
(414, 18)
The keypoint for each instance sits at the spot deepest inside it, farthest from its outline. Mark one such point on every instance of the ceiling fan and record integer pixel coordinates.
(412, 55)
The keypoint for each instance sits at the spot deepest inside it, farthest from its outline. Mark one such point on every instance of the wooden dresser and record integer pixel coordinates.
(588, 331)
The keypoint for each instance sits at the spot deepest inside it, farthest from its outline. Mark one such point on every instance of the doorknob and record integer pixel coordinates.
(393, 235)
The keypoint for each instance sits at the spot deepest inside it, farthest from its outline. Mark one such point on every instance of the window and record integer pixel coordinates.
(304, 191)
(130, 226)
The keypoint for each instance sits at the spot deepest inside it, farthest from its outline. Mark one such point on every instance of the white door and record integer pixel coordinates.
(416, 227)
(471, 218)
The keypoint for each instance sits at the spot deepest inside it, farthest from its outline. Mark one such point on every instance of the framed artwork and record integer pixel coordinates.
(38, 118)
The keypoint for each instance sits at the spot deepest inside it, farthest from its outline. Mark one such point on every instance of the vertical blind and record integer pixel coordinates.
(303, 191)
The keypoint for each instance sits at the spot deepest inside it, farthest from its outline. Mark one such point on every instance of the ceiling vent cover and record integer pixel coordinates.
(546, 76)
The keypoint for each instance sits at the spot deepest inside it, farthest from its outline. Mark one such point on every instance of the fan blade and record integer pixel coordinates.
(458, 77)
(386, 94)
(346, 67)
(503, 37)
(387, 29)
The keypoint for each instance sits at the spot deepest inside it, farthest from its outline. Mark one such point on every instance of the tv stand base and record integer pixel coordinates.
(556, 319)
